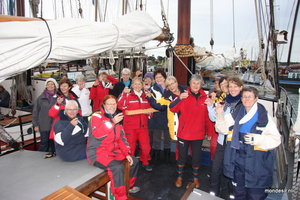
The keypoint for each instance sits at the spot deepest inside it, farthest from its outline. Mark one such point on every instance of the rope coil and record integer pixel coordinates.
(186, 50)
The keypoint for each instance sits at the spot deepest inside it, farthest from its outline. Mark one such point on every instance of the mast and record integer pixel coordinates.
(273, 57)
(260, 36)
(183, 38)
(293, 32)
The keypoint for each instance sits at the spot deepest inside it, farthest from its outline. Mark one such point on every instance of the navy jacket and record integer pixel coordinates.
(259, 163)
(159, 120)
(70, 141)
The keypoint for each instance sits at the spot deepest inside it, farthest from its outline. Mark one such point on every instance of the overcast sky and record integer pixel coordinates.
(245, 22)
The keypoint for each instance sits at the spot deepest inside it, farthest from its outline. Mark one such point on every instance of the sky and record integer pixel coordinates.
(246, 35)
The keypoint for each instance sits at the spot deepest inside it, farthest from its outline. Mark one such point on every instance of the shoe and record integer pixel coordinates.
(178, 182)
(197, 183)
(134, 189)
(49, 155)
(148, 168)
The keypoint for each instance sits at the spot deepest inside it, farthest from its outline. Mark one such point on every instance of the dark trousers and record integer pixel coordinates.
(44, 143)
(217, 172)
(115, 171)
(239, 190)
(183, 147)
(157, 136)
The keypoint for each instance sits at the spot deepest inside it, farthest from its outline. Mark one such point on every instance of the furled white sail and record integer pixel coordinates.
(24, 45)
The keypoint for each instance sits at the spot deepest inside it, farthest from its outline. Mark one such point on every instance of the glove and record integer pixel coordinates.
(249, 139)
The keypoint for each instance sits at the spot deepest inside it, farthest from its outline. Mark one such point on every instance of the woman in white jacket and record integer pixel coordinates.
(251, 137)
(83, 96)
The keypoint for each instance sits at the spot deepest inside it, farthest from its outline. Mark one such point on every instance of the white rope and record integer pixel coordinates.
(182, 62)
(296, 181)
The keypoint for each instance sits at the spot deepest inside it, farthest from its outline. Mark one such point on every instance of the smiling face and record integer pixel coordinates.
(195, 86)
(224, 86)
(50, 86)
(173, 86)
(159, 79)
(110, 105)
(234, 89)
(71, 111)
(64, 87)
(81, 84)
(137, 85)
(248, 100)
(125, 76)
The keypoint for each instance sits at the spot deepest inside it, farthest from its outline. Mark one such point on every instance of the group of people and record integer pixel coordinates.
(107, 124)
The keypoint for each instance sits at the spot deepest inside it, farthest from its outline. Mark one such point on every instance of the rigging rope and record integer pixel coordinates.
(182, 62)
(233, 26)
(211, 25)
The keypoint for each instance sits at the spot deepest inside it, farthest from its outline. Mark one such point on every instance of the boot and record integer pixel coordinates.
(178, 182)
(195, 176)
(197, 183)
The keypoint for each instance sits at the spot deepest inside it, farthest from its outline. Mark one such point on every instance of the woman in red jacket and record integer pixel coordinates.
(58, 103)
(100, 89)
(136, 126)
(194, 124)
(107, 147)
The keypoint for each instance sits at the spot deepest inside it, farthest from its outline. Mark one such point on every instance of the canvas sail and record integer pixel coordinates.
(25, 45)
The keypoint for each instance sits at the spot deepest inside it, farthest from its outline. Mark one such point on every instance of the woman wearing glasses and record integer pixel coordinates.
(249, 155)
(107, 147)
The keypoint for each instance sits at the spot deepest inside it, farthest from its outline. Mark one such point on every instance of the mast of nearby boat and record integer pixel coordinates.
(273, 57)
(183, 38)
(260, 36)
(293, 32)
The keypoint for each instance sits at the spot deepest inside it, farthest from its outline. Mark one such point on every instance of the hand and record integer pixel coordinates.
(219, 108)
(208, 138)
(59, 100)
(249, 138)
(126, 90)
(36, 129)
(212, 95)
(129, 160)
(96, 83)
(208, 101)
(147, 93)
(183, 95)
(74, 121)
(119, 117)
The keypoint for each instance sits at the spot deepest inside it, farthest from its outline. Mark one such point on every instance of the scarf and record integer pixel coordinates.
(241, 118)
(126, 83)
(48, 94)
(230, 99)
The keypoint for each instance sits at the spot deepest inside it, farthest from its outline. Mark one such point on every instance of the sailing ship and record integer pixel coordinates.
(46, 48)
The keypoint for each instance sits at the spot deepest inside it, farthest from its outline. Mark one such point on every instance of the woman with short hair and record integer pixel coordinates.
(107, 147)
(194, 124)
(249, 154)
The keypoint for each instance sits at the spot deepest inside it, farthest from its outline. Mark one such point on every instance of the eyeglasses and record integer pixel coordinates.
(72, 109)
(110, 104)
(125, 74)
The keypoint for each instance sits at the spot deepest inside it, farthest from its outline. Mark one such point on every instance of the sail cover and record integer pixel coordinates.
(25, 45)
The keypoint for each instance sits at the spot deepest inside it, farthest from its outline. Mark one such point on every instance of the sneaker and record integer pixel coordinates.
(134, 189)
(49, 155)
(148, 168)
